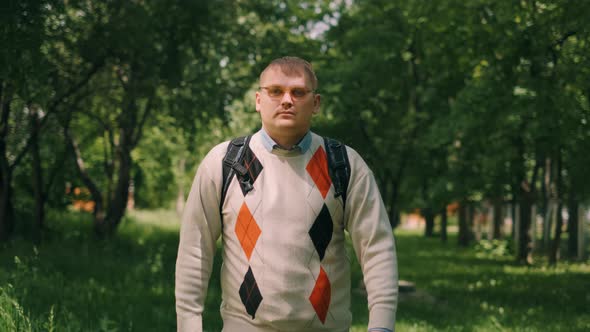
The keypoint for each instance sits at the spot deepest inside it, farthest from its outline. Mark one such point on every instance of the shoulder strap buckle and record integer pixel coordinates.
(338, 166)
(232, 164)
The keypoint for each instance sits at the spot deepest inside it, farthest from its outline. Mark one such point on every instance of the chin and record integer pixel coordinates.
(286, 123)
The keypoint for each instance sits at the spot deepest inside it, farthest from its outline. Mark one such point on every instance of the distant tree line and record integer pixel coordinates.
(468, 102)
(82, 83)
(452, 101)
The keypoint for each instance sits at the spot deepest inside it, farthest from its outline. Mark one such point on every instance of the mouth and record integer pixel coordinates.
(286, 112)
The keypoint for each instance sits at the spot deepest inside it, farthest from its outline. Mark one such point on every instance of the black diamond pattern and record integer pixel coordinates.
(250, 294)
(321, 231)
(253, 166)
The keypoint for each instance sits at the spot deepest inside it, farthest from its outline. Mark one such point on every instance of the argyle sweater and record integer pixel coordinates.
(285, 265)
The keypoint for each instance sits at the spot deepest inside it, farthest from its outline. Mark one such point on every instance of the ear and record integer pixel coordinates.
(317, 100)
(258, 101)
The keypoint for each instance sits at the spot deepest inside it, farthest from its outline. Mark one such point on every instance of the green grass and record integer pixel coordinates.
(74, 282)
(122, 284)
(477, 290)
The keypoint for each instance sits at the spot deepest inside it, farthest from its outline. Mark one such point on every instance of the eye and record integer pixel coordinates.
(298, 92)
(275, 91)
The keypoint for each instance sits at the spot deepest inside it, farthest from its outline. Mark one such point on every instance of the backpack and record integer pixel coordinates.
(338, 167)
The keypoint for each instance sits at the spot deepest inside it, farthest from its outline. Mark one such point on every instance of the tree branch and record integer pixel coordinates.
(53, 106)
(147, 111)
(58, 167)
(80, 165)
(76, 87)
(563, 39)
(99, 120)
(5, 105)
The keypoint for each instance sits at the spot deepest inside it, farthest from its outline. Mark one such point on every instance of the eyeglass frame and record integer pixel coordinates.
(285, 90)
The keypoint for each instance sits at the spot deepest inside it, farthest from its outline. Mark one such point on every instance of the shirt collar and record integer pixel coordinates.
(270, 144)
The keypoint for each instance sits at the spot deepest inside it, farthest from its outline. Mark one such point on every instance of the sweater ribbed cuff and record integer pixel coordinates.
(381, 317)
(189, 324)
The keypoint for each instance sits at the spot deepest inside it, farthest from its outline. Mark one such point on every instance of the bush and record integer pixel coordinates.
(493, 249)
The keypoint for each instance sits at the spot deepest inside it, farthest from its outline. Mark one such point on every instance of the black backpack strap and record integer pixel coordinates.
(338, 166)
(232, 164)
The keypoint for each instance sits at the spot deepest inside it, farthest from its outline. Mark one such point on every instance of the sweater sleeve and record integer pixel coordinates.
(199, 231)
(369, 228)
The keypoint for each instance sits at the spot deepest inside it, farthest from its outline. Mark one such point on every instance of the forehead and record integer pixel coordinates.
(275, 75)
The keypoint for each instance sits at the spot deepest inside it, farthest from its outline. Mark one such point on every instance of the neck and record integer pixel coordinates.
(286, 141)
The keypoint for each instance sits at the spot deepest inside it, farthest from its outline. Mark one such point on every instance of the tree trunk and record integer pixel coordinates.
(394, 214)
(546, 204)
(497, 223)
(477, 221)
(526, 193)
(6, 217)
(427, 212)
(429, 219)
(118, 203)
(525, 243)
(581, 254)
(572, 225)
(548, 224)
(513, 213)
(6, 212)
(108, 157)
(443, 224)
(470, 221)
(39, 195)
(99, 213)
(389, 194)
(130, 125)
(464, 231)
(554, 252)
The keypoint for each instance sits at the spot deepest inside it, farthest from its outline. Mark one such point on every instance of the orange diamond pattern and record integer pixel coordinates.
(318, 170)
(321, 294)
(247, 230)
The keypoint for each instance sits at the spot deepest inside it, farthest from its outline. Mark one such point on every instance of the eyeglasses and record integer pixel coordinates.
(277, 92)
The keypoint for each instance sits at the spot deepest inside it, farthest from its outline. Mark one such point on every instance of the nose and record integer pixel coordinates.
(287, 100)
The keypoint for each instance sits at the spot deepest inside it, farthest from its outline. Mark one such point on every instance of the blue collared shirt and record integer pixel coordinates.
(270, 144)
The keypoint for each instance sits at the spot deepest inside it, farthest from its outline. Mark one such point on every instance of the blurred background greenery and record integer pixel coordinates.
(473, 116)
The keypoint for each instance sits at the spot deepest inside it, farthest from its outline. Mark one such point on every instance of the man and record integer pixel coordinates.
(285, 266)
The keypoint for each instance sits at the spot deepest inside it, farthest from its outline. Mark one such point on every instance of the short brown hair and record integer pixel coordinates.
(291, 65)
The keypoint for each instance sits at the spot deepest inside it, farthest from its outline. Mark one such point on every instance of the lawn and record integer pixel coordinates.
(74, 282)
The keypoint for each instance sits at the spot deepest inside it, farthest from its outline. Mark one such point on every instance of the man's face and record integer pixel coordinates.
(286, 103)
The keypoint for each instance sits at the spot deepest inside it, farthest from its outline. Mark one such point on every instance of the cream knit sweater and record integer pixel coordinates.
(285, 266)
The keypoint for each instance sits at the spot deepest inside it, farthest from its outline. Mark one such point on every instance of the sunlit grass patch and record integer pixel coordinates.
(488, 292)
(162, 218)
